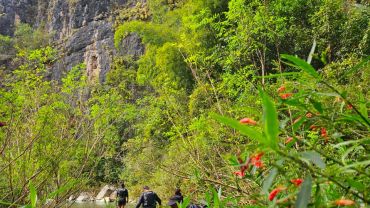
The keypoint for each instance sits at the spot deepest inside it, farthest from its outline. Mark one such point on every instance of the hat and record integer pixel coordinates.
(146, 188)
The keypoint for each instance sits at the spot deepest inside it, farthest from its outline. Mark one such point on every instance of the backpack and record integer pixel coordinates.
(149, 199)
(122, 193)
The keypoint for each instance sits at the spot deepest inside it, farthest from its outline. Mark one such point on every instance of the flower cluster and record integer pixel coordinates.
(282, 95)
(297, 182)
(254, 160)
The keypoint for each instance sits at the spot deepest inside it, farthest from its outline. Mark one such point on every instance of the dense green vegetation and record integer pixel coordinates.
(214, 106)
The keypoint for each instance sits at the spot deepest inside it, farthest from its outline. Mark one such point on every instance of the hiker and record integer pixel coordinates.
(148, 199)
(177, 198)
(122, 196)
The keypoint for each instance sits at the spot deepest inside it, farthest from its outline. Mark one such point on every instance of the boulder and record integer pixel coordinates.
(113, 196)
(85, 196)
(71, 198)
(106, 191)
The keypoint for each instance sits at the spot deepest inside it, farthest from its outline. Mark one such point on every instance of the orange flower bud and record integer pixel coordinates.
(281, 89)
(344, 202)
(289, 139)
(239, 173)
(286, 95)
(274, 192)
(324, 133)
(248, 121)
(297, 181)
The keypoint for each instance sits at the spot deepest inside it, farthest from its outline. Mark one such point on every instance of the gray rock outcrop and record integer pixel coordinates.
(85, 196)
(82, 30)
(106, 191)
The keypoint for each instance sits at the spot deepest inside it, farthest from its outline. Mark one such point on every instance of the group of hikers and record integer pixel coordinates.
(149, 199)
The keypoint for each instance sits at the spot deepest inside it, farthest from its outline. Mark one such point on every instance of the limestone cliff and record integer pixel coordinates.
(82, 30)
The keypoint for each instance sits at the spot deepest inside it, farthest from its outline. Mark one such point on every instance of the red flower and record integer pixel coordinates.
(256, 160)
(281, 89)
(289, 139)
(349, 107)
(258, 156)
(297, 181)
(274, 192)
(258, 164)
(285, 95)
(2, 124)
(309, 115)
(344, 202)
(324, 133)
(239, 173)
(248, 121)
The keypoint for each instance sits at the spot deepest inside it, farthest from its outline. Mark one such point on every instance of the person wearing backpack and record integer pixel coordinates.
(177, 198)
(148, 199)
(122, 196)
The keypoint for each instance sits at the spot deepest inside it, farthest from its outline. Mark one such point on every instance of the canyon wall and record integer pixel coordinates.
(81, 30)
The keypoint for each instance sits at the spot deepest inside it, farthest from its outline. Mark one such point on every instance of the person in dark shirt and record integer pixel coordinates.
(122, 196)
(148, 199)
(177, 198)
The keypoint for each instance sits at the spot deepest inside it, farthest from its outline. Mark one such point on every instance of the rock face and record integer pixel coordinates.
(84, 196)
(82, 30)
(106, 191)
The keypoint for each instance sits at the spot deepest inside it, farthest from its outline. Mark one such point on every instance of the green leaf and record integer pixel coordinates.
(299, 123)
(196, 174)
(33, 195)
(355, 118)
(233, 160)
(216, 199)
(363, 163)
(351, 142)
(362, 106)
(317, 105)
(8, 204)
(299, 63)
(184, 203)
(245, 130)
(270, 120)
(269, 180)
(304, 194)
(219, 193)
(318, 196)
(315, 158)
(279, 75)
(356, 184)
(294, 102)
(328, 94)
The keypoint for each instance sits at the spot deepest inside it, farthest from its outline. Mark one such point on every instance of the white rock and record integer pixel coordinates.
(106, 191)
(84, 196)
(113, 196)
(71, 198)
